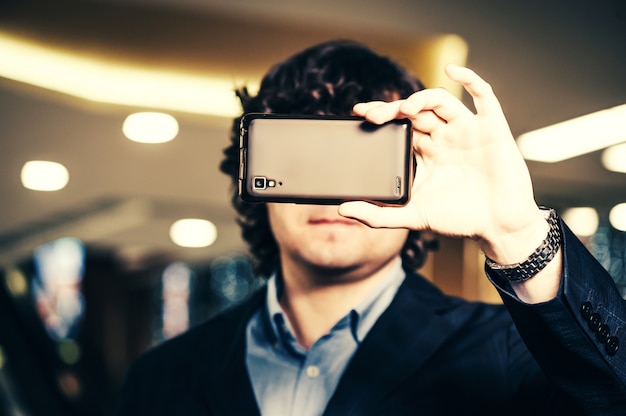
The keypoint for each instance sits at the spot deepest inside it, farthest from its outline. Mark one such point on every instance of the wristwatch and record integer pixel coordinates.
(519, 272)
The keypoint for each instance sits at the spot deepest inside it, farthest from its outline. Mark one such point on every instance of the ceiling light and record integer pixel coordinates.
(617, 217)
(575, 137)
(583, 221)
(114, 83)
(614, 158)
(41, 175)
(150, 127)
(192, 232)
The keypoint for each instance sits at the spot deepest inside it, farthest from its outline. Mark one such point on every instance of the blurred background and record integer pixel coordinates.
(126, 105)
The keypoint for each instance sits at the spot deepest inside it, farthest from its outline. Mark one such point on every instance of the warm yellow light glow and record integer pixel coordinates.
(41, 175)
(192, 232)
(614, 158)
(575, 137)
(583, 221)
(112, 83)
(431, 54)
(150, 127)
(617, 216)
(16, 282)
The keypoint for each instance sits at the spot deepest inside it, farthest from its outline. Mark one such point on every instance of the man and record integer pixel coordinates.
(345, 326)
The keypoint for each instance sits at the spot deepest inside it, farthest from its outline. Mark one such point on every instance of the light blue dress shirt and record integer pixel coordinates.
(289, 380)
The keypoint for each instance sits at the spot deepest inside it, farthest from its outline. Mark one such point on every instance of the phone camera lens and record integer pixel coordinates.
(260, 183)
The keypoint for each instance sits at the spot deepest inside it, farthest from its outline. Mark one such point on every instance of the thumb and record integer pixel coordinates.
(376, 216)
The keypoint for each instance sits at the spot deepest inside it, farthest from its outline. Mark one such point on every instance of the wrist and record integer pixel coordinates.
(531, 264)
(513, 241)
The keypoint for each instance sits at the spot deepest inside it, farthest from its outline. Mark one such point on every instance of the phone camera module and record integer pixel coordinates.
(259, 182)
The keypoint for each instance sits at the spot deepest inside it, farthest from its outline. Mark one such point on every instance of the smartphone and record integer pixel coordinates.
(324, 159)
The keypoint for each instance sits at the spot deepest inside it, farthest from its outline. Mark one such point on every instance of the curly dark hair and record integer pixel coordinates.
(326, 79)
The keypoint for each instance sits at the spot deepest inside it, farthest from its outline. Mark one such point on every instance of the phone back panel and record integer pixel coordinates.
(324, 159)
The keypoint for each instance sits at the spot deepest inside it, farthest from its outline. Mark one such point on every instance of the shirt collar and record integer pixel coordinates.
(360, 319)
(377, 301)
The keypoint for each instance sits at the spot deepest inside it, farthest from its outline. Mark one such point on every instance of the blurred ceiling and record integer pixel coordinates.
(548, 61)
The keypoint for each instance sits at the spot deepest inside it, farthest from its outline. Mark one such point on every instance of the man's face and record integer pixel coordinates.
(317, 236)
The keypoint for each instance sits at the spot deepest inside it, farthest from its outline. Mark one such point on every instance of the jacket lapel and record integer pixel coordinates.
(404, 337)
(402, 340)
(228, 390)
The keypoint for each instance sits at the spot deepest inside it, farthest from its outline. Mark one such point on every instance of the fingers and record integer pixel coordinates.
(378, 112)
(361, 108)
(485, 100)
(423, 144)
(438, 100)
(427, 121)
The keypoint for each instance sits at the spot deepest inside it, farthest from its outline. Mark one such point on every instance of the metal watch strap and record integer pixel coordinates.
(519, 272)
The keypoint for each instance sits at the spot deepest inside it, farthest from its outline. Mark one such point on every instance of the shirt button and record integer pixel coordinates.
(312, 371)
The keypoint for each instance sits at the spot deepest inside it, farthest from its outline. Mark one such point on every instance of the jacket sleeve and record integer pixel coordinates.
(576, 336)
(127, 402)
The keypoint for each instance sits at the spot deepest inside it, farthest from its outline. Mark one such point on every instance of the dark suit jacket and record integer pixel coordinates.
(428, 354)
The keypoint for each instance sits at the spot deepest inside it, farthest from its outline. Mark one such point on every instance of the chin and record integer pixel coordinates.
(332, 271)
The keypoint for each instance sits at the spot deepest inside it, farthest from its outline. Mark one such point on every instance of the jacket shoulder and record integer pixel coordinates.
(218, 332)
